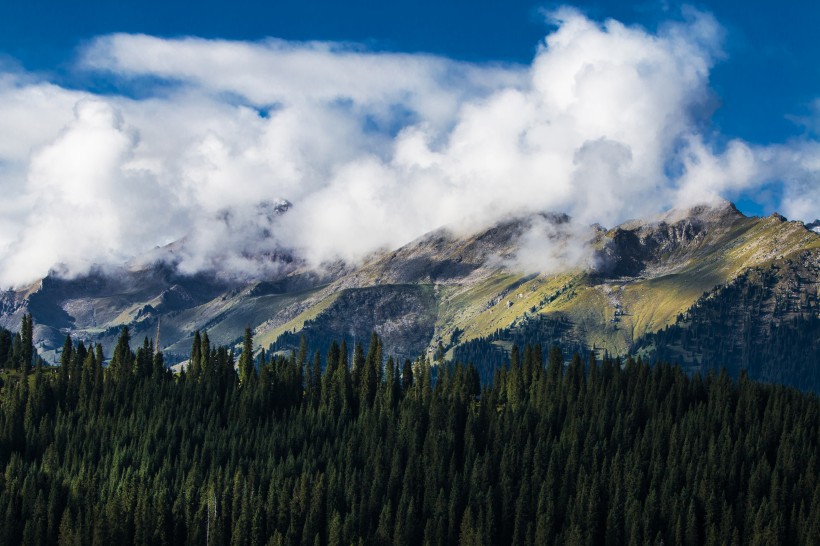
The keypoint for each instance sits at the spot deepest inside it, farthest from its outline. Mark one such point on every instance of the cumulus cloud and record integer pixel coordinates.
(372, 149)
(83, 202)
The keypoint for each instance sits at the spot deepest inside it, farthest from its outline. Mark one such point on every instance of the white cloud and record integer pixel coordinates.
(278, 72)
(373, 149)
(86, 202)
(797, 164)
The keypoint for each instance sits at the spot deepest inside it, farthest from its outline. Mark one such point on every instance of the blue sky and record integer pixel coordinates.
(381, 121)
(769, 78)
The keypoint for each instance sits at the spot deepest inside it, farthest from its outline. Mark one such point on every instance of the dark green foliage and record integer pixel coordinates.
(122, 362)
(538, 331)
(17, 349)
(6, 339)
(567, 452)
(247, 370)
(27, 342)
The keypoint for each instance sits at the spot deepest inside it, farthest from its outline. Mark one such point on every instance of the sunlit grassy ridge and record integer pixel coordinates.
(266, 336)
(607, 311)
(496, 303)
(647, 303)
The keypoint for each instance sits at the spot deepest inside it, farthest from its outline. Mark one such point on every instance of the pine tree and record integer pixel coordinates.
(195, 362)
(406, 376)
(27, 342)
(122, 361)
(65, 364)
(247, 371)
(301, 359)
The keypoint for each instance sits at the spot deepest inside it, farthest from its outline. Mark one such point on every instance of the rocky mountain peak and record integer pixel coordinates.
(630, 248)
(712, 212)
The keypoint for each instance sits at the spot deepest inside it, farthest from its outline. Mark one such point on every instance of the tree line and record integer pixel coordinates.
(354, 447)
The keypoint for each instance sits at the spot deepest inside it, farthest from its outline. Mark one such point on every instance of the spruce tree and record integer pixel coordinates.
(195, 362)
(247, 371)
(122, 361)
(27, 342)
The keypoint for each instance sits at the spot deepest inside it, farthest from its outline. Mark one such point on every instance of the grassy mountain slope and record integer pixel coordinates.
(445, 288)
(644, 275)
(764, 321)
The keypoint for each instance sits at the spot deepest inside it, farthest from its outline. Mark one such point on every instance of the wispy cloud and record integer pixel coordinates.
(373, 149)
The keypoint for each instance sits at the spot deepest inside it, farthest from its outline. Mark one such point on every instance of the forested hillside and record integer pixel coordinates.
(17, 349)
(764, 323)
(347, 448)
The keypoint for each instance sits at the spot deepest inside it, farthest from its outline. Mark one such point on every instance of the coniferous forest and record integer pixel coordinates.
(352, 447)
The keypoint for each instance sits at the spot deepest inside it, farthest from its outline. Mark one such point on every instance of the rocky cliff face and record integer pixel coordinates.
(639, 247)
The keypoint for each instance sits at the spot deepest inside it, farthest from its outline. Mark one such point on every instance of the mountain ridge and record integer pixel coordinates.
(444, 288)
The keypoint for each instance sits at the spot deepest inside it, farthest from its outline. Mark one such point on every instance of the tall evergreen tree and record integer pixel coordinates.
(122, 361)
(195, 362)
(247, 371)
(27, 341)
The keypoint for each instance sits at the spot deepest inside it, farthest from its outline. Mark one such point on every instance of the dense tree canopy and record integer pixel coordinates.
(349, 448)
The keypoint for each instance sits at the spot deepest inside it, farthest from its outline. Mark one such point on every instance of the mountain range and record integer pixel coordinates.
(705, 286)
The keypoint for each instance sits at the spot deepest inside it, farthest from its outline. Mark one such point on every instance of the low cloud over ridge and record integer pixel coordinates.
(372, 149)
